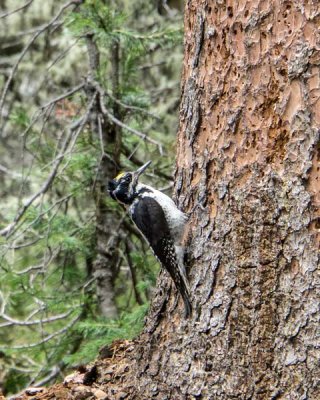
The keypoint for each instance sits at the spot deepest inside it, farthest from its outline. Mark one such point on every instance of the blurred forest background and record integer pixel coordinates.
(87, 88)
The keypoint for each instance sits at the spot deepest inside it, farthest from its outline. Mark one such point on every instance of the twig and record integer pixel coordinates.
(41, 214)
(6, 170)
(26, 5)
(63, 96)
(133, 108)
(47, 338)
(62, 54)
(8, 230)
(26, 48)
(100, 136)
(23, 245)
(54, 372)
(135, 160)
(116, 121)
(85, 120)
(103, 154)
(45, 263)
(141, 135)
(148, 66)
(12, 321)
(151, 36)
(33, 30)
(58, 160)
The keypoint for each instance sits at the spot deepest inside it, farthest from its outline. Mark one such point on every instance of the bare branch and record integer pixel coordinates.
(8, 230)
(141, 135)
(62, 54)
(13, 174)
(115, 120)
(63, 96)
(26, 5)
(47, 338)
(43, 265)
(27, 244)
(26, 228)
(34, 30)
(12, 321)
(54, 372)
(133, 108)
(69, 142)
(27, 47)
(148, 66)
(100, 136)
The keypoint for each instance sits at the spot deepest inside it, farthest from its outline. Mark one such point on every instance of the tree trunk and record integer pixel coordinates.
(247, 171)
(106, 258)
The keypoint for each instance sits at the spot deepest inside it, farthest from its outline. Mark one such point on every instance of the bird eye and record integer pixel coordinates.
(128, 178)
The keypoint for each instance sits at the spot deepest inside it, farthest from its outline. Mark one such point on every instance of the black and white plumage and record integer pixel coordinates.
(159, 220)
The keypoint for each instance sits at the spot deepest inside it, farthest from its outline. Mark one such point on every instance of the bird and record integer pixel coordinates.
(159, 220)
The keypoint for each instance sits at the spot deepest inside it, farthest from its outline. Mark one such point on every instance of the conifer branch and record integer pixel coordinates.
(116, 121)
(70, 138)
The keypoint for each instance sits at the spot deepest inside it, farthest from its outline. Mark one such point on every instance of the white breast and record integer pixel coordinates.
(176, 219)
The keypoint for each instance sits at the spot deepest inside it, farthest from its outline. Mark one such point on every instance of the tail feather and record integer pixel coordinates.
(185, 294)
(183, 284)
(187, 304)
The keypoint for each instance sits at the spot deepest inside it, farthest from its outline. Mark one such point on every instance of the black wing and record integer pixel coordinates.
(151, 221)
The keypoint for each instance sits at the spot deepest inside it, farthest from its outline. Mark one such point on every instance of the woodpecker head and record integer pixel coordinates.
(123, 187)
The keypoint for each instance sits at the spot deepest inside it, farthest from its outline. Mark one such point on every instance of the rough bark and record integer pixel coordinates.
(248, 153)
(248, 174)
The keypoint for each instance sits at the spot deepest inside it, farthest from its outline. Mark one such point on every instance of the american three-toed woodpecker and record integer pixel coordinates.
(160, 221)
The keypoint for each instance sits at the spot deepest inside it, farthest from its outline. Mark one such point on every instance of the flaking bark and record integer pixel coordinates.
(247, 171)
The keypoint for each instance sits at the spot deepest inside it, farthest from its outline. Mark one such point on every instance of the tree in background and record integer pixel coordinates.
(78, 82)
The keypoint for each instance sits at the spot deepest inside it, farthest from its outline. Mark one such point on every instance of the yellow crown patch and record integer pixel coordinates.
(119, 176)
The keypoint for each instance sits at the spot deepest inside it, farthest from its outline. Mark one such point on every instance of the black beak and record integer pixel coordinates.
(139, 171)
